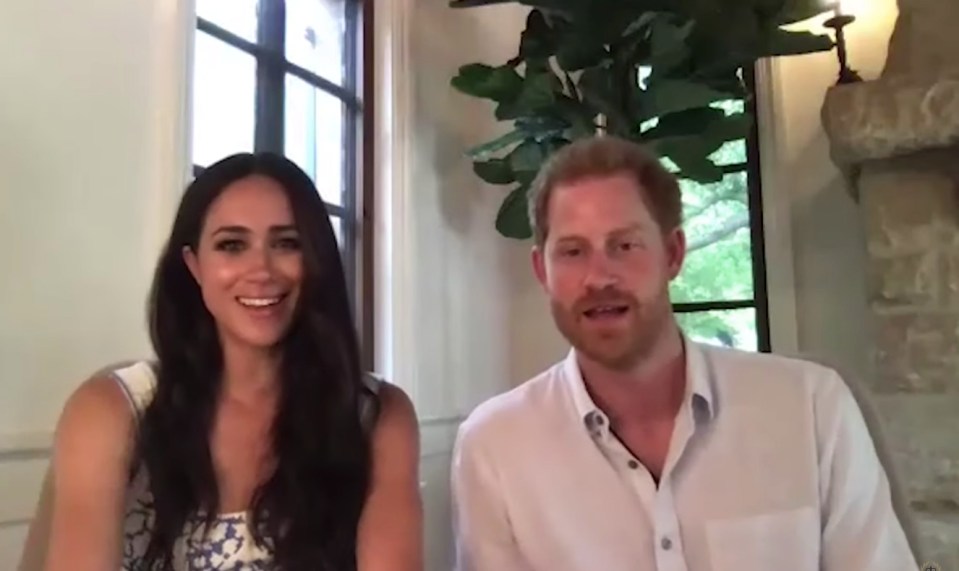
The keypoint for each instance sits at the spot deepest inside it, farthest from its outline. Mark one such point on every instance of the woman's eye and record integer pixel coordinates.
(231, 245)
(288, 243)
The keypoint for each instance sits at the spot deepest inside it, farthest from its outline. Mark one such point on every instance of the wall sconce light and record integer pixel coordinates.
(838, 22)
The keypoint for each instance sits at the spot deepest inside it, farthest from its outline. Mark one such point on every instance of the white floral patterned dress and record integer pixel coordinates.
(229, 546)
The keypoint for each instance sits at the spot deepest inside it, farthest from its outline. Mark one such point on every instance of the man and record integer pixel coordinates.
(644, 450)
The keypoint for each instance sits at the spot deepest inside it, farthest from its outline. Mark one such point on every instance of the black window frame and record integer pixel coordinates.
(355, 93)
(752, 167)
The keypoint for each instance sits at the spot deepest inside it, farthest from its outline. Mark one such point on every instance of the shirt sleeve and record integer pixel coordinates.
(484, 539)
(861, 530)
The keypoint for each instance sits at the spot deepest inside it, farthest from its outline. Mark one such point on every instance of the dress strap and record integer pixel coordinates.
(138, 382)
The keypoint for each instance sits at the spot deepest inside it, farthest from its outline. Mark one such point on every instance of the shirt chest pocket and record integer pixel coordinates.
(784, 541)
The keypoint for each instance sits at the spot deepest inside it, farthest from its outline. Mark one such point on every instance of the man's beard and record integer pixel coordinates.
(619, 349)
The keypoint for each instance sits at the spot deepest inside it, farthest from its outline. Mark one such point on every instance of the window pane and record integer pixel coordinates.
(316, 36)
(731, 153)
(237, 16)
(718, 264)
(337, 229)
(731, 106)
(732, 328)
(313, 129)
(224, 93)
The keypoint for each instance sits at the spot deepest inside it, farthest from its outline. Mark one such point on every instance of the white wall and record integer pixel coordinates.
(446, 286)
(91, 153)
(805, 190)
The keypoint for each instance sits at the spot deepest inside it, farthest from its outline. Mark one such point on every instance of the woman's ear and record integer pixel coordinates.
(189, 258)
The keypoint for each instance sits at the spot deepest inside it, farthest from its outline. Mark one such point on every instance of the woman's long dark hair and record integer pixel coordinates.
(308, 510)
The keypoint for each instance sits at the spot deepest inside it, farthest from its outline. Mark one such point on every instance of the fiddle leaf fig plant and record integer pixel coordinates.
(654, 71)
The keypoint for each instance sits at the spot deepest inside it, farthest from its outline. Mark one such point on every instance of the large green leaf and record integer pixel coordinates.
(684, 123)
(766, 9)
(635, 46)
(494, 171)
(580, 118)
(484, 151)
(480, 80)
(724, 40)
(783, 43)
(537, 40)
(641, 24)
(604, 21)
(537, 93)
(729, 128)
(710, 123)
(668, 44)
(692, 158)
(739, 32)
(793, 11)
(577, 63)
(526, 160)
(542, 128)
(512, 220)
(664, 96)
(678, 7)
(690, 137)
(578, 49)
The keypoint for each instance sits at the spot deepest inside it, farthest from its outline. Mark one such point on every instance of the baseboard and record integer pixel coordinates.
(19, 443)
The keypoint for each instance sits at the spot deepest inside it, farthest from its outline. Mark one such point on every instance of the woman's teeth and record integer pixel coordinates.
(258, 301)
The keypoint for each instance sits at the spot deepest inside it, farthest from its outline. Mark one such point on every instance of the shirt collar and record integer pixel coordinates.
(699, 391)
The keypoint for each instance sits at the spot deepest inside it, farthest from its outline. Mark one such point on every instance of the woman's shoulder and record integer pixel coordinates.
(97, 420)
(396, 415)
(106, 391)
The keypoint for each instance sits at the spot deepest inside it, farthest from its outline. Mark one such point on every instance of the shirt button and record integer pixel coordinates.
(666, 543)
(633, 464)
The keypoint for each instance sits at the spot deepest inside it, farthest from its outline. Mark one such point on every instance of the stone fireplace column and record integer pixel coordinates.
(897, 140)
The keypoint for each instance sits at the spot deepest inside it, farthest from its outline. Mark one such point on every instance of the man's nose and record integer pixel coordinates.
(600, 272)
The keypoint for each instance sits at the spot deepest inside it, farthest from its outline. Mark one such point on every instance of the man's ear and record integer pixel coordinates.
(675, 243)
(538, 259)
(189, 258)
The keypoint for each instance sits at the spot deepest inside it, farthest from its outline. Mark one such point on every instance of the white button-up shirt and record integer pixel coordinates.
(770, 467)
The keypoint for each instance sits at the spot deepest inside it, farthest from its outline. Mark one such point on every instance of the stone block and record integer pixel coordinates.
(924, 41)
(907, 208)
(949, 280)
(916, 352)
(911, 280)
(891, 118)
(920, 432)
(939, 542)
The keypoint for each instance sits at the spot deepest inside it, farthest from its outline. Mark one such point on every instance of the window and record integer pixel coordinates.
(284, 76)
(720, 297)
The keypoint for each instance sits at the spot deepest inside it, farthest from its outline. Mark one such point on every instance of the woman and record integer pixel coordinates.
(255, 441)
